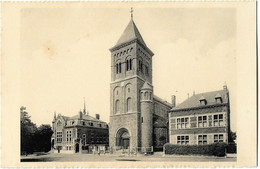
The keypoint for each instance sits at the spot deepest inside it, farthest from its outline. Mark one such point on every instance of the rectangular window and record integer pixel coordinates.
(202, 139)
(183, 123)
(202, 121)
(69, 136)
(59, 137)
(218, 138)
(84, 141)
(218, 120)
(182, 139)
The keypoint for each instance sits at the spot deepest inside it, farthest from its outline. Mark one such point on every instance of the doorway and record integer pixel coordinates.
(123, 139)
(76, 148)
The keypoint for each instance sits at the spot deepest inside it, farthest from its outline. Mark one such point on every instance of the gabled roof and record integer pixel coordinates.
(63, 117)
(85, 117)
(130, 33)
(162, 101)
(194, 101)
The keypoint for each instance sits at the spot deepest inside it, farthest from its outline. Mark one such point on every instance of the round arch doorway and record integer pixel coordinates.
(123, 139)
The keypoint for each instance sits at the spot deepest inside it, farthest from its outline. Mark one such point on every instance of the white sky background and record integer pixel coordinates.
(65, 55)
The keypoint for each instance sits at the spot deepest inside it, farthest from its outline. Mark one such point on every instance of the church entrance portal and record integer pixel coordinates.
(123, 139)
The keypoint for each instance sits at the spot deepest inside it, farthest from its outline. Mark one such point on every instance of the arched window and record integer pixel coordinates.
(119, 68)
(145, 95)
(130, 64)
(127, 65)
(117, 106)
(128, 104)
(141, 66)
(59, 123)
(146, 70)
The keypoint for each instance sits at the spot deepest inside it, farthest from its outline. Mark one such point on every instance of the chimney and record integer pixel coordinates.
(225, 87)
(80, 114)
(97, 116)
(173, 100)
(55, 117)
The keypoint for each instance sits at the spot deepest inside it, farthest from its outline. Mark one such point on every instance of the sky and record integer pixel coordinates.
(65, 55)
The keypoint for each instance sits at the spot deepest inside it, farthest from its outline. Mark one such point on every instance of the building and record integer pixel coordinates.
(78, 134)
(201, 119)
(138, 118)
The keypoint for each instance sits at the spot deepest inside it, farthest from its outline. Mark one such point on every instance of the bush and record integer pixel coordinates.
(232, 148)
(216, 149)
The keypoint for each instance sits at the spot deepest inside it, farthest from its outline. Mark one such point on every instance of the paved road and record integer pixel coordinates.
(108, 157)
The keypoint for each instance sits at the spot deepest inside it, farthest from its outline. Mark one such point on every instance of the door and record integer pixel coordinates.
(77, 148)
(126, 143)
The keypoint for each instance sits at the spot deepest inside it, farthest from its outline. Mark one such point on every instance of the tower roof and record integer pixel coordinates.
(130, 33)
(146, 86)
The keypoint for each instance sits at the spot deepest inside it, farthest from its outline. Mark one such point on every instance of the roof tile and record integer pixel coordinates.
(194, 101)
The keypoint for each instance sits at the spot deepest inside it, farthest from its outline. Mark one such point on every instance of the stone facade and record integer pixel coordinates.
(202, 119)
(134, 110)
(78, 134)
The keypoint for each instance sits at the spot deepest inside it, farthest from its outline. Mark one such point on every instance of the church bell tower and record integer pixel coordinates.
(131, 69)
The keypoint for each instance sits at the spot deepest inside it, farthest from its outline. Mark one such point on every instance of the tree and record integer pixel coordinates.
(43, 138)
(233, 136)
(28, 130)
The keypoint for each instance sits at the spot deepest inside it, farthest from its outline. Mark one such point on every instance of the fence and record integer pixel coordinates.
(131, 150)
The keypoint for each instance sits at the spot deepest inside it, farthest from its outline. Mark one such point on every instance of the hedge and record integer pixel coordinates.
(232, 148)
(216, 149)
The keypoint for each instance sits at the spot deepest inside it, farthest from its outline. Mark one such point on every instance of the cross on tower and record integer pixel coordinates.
(131, 11)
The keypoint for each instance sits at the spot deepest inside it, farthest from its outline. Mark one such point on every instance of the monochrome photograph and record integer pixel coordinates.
(129, 84)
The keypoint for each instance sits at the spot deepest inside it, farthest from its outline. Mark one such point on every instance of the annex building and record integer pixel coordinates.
(138, 118)
(81, 133)
(201, 119)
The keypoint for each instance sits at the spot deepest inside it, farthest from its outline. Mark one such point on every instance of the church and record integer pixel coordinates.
(138, 118)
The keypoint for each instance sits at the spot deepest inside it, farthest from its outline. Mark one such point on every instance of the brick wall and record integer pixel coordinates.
(192, 129)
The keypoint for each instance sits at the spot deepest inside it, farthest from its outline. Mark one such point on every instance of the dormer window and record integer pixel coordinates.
(218, 98)
(203, 101)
